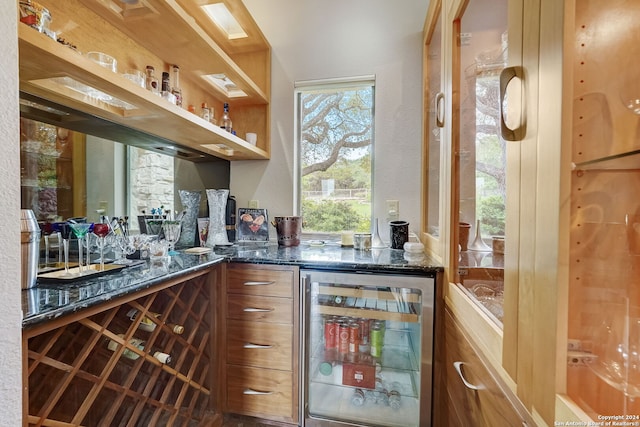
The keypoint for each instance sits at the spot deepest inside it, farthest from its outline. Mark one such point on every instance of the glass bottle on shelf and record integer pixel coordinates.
(226, 123)
(205, 112)
(152, 84)
(161, 356)
(166, 88)
(175, 89)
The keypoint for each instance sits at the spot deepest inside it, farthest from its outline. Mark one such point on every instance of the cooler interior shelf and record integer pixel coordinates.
(88, 372)
(388, 304)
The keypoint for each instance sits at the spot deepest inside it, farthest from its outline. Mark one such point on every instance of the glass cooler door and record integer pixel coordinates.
(365, 338)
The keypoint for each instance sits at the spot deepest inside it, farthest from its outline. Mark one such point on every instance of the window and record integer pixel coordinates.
(334, 139)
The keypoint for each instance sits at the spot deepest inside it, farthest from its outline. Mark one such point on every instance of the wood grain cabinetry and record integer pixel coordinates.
(90, 368)
(474, 396)
(261, 341)
(160, 34)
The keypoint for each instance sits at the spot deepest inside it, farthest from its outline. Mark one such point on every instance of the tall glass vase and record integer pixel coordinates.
(191, 204)
(217, 200)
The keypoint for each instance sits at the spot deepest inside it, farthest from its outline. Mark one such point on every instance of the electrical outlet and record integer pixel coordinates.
(103, 206)
(253, 204)
(393, 210)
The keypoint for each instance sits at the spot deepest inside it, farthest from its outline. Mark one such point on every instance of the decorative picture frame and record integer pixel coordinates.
(253, 225)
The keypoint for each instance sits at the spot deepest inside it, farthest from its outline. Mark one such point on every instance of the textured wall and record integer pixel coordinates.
(10, 293)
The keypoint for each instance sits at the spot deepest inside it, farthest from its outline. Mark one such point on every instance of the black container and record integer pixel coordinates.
(230, 219)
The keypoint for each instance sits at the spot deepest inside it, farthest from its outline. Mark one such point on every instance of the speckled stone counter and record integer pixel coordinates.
(48, 301)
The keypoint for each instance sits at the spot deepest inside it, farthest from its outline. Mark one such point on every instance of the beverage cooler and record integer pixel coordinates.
(367, 349)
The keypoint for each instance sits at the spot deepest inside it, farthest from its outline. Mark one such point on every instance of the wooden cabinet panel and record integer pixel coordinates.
(489, 404)
(259, 391)
(262, 345)
(258, 281)
(259, 308)
(261, 338)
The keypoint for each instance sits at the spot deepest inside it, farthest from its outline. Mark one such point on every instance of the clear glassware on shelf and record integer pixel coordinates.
(123, 245)
(101, 230)
(171, 230)
(65, 232)
(80, 230)
(615, 342)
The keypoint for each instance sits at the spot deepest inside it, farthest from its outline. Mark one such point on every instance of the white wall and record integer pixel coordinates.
(10, 285)
(334, 38)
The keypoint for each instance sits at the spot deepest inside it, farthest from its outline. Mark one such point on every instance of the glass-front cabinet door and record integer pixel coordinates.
(603, 331)
(434, 122)
(480, 54)
(492, 81)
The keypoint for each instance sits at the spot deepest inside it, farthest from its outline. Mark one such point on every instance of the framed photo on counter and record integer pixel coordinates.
(253, 225)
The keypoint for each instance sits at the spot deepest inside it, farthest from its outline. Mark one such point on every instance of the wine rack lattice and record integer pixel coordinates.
(88, 373)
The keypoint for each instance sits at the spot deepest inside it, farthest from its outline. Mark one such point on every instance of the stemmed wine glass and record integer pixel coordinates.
(101, 230)
(124, 246)
(46, 229)
(171, 229)
(65, 232)
(80, 229)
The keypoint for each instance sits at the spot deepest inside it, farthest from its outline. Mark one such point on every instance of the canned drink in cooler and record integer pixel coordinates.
(376, 340)
(343, 338)
(364, 331)
(330, 333)
(354, 337)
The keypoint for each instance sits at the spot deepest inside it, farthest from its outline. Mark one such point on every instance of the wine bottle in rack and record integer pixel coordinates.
(141, 344)
(148, 325)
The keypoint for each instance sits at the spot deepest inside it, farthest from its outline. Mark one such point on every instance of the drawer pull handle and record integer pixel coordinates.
(258, 283)
(458, 366)
(256, 392)
(257, 310)
(251, 345)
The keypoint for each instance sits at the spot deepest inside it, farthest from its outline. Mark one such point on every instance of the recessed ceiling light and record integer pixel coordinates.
(219, 14)
(224, 84)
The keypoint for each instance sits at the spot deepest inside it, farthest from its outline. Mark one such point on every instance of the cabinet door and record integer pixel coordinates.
(475, 396)
(603, 304)
(434, 122)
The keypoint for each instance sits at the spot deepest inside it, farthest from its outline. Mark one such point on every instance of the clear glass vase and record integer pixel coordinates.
(217, 201)
(191, 205)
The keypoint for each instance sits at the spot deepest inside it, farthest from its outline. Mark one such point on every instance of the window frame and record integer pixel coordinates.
(301, 86)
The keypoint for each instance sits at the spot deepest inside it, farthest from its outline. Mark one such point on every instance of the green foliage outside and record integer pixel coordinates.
(334, 216)
(491, 211)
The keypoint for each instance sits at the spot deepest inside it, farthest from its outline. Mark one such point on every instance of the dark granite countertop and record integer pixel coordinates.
(47, 301)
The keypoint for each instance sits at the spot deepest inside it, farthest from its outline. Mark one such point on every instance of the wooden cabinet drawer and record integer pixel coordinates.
(260, 392)
(247, 280)
(489, 405)
(260, 308)
(260, 344)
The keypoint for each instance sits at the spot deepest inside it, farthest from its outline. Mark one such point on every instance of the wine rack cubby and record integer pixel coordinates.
(86, 371)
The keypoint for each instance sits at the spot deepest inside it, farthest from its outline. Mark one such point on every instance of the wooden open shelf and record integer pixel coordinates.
(74, 379)
(157, 33)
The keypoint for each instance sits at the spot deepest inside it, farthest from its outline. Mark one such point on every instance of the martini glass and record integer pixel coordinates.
(80, 229)
(65, 232)
(171, 229)
(101, 230)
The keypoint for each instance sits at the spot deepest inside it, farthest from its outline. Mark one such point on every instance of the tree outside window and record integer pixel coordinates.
(335, 137)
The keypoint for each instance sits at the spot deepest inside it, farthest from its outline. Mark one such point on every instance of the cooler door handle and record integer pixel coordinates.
(252, 392)
(259, 346)
(458, 366)
(257, 310)
(258, 283)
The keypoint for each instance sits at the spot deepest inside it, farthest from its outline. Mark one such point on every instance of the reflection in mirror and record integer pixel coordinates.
(66, 174)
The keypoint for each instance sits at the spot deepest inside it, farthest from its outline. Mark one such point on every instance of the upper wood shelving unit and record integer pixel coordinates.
(157, 33)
